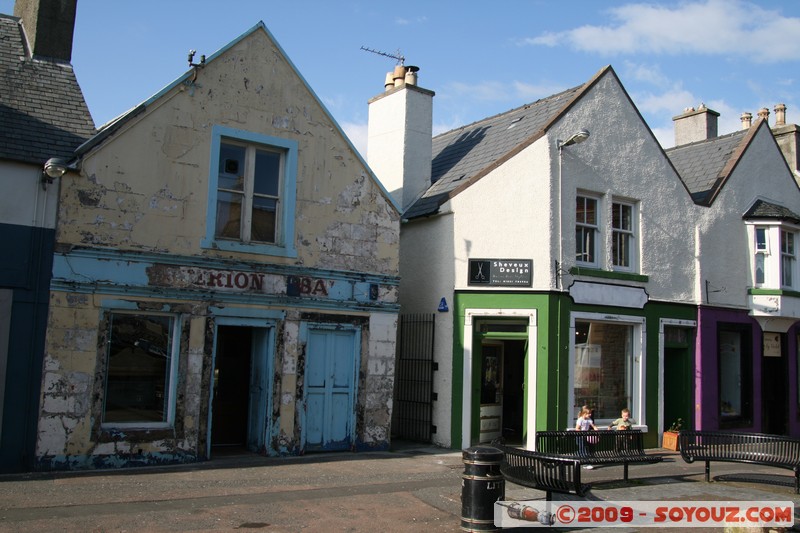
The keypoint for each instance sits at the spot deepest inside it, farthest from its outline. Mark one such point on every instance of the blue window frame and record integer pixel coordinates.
(251, 193)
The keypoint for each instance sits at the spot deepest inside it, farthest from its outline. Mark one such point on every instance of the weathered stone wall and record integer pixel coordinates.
(146, 187)
(130, 234)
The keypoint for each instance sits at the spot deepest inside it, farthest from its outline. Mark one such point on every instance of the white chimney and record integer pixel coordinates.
(695, 125)
(399, 136)
(747, 120)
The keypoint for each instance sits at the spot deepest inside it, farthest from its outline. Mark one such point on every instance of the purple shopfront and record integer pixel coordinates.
(745, 378)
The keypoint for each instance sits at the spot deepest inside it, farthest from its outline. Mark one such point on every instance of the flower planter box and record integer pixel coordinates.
(670, 441)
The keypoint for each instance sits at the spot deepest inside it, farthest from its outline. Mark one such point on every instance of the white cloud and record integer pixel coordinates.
(647, 73)
(710, 27)
(665, 136)
(357, 132)
(402, 21)
(496, 91)
(672, 101)
(530, 92)
(486, 90)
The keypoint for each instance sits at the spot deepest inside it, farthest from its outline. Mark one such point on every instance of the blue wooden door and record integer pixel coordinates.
(331, 357)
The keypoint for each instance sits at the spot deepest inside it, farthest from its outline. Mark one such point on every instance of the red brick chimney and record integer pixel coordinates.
(49, 26)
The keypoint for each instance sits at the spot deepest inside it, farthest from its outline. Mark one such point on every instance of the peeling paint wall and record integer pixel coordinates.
(146, 189)
(129, 238)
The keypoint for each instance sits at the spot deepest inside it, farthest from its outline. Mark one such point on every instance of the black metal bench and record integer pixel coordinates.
(755, 448)
(602, 447)
(542, 472)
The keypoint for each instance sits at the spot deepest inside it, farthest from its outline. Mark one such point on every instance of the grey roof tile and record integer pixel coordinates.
(764, 209)
(42, 110)
(463, 153)
(703, 165)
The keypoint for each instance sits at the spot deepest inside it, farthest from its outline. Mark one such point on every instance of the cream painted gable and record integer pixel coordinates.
(144, 179)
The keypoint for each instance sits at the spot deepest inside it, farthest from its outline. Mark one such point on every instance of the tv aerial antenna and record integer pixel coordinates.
(397, 55)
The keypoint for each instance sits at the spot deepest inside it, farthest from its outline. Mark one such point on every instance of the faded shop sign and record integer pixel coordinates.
(242, 281)
(502, 272)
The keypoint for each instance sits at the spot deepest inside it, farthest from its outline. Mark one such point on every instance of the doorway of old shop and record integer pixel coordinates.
(503, 348)
(240, 390)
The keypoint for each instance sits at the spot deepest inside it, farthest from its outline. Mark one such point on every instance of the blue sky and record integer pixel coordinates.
(732, 55)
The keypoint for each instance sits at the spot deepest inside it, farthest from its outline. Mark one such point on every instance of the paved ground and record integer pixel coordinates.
(409, 489)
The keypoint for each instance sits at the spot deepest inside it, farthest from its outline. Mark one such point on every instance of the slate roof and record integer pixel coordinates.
(465, 154)
(42, 110)
(762, 209)
(705, 165)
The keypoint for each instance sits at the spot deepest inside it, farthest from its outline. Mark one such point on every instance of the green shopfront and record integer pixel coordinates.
(527, 361)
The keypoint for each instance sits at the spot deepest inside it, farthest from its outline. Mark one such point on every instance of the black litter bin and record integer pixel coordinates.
(481, 485)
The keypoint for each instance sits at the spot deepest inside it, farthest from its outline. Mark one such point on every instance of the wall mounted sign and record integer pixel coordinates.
(501, 272)
(772, 344)
(583, 292)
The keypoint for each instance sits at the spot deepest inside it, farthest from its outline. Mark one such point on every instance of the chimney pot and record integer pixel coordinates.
(389, 82)
(747, 120)
(411, 75)
(399, 75)
(780, 114)
(763, 113)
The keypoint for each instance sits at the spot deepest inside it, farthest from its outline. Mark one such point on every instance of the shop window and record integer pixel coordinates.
(604, 374)
(140, 368)
(735, 376)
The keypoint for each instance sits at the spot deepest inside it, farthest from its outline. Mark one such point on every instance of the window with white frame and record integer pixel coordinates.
(788, 258)
(586, 229)
(141, 365)
(248, 192)
(762, 251)
(252, 192)
(622, 235)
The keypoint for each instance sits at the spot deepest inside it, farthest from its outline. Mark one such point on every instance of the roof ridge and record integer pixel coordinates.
(710, 140)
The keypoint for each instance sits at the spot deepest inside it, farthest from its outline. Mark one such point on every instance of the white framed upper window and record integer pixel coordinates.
(248, 192)
(761, 245)
(788, 259)
(586, 230)
(252, 193)
(623, 236)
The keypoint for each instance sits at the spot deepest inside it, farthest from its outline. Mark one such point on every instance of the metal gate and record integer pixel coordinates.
(413, 391)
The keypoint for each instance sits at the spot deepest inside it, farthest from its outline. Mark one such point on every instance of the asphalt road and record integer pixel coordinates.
(411, 489)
